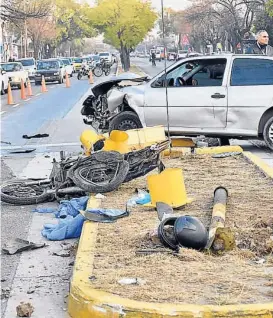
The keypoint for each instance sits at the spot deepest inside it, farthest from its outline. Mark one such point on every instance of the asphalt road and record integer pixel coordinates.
(55, 113)
(147, 67)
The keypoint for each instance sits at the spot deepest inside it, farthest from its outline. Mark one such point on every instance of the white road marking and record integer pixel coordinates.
(3, 112)
(38, 94)
(42, 145)
(16, 105)
(27, 99)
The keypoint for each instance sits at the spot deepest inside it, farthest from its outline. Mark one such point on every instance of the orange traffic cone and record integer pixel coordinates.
(91, 80)
(67, 80)
(10, 98)
(44, 89)
(23, 92)
(29, 89)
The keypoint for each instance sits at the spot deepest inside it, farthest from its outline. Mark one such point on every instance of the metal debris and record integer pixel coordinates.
(24, 309)
(18, 245)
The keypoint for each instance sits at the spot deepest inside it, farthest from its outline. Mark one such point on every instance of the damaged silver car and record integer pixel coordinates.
(225, 96)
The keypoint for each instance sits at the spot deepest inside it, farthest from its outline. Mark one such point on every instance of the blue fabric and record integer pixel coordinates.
(70, 223)
(70, 227)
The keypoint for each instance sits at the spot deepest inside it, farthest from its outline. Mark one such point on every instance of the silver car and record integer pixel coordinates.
(224, 96)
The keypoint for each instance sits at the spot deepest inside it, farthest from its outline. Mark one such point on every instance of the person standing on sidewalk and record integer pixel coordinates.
(153, 59)
(261, 46)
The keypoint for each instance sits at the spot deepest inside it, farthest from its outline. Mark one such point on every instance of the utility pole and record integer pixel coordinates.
(25, 26)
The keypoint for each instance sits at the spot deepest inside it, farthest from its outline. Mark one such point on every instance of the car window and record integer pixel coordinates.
(65, 62)
(28, 62)
(77, 60)
(208, 72)
(249, 72)
(11, 67)
(46, 65)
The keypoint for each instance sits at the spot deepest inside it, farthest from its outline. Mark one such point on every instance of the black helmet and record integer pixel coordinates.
(190, 232)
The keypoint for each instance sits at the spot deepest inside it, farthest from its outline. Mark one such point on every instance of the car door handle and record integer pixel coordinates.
(218, 95)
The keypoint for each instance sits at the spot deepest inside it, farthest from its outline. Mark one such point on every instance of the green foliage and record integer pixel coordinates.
(123, 22)
(72, 21)
(270, 7)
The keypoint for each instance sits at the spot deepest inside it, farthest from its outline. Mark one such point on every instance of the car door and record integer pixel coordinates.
(250, 92)
(190, 106)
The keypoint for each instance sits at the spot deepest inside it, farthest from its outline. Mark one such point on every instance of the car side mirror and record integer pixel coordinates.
(3, 72)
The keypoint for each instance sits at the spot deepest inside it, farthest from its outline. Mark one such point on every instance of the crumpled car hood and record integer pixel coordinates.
(104, 87)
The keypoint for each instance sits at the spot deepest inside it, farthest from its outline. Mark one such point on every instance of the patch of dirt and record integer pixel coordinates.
(193, 276)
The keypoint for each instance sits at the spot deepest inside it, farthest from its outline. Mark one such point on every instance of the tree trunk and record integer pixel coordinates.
(125, 57)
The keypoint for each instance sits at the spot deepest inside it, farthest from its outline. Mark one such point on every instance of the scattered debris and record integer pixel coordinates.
(24, 309)
(6, 142)
(35, 136)
(100, 196)
(3, 280)
(62, 253)
(22, 150)
(104, 215)
(226, 155)
(31, 291)
(224, 240)
(18, 245)
(71, 263)
(132, 281)
(92, 278)
(5, 293)
(260, 261)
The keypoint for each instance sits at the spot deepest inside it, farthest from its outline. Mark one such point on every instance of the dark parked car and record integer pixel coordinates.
(52, 70)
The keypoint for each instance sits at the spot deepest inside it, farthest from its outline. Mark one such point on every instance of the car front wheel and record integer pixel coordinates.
(268, 133)
(2, 89)
(125, 121)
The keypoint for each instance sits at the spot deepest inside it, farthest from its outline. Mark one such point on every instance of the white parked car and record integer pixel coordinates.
(223, 96)
(181, 54)
(68, 66)
(4, 81)
(29, 64)
(106, 56)
(16, 73)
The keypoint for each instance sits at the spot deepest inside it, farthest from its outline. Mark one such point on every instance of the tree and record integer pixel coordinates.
(269, 7)
(41, 31)
(124, 23)
(14, 10)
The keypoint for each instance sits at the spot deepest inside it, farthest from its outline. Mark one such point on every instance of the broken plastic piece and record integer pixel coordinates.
(18, 245)
(22, 150)
(35, 136)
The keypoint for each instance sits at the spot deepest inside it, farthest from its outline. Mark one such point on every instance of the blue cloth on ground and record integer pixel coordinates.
(70, 227)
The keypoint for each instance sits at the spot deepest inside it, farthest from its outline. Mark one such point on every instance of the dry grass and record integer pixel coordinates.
(192, 276)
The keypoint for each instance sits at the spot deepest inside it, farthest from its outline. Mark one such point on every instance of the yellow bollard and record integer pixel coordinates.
(88, 138)
(168, 187)
(118, 141)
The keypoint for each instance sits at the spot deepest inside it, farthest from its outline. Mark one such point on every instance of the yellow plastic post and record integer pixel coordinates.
(88, 138)
(118, 141)
(168, 187)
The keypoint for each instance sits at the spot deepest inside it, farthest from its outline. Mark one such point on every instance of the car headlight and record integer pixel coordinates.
(38, 74)
(56, 73)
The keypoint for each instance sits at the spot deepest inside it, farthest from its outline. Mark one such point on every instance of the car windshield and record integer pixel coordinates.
(46, 65)
(104, 54)
(66, 62)
(77, 60)
(29, 62)
(96, 58)
(10, 67)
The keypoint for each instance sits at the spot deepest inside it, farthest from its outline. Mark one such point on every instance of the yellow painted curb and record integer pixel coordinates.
(264, 167)
(218, 150)
(86, 302)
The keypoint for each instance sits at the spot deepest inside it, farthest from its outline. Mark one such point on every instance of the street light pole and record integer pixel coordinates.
(25, 27)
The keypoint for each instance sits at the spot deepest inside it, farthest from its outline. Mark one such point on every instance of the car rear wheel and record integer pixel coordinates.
(125, 121)
(268, 133)
(2, 89)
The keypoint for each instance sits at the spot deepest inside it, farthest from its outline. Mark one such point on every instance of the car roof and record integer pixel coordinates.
(16, 62)
(26, 58)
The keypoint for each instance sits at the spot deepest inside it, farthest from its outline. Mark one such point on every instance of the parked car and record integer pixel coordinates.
(238, 103)
(68, 66)
(4, 81)
(106, 56)
(16, 73)
(171, 56)
(52, 70)
(181, 54)
(77, 63)
(29, 64)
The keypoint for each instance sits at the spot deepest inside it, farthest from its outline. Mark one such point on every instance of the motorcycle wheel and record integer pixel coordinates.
(107, 72)
(18, 193)
(98, 71)
(79, 76)
(105, 173)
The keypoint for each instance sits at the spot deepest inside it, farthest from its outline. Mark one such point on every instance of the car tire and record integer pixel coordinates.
(125, 121)
(224, 141)
(268, 133)
(37, 83)
(25, 84)
(2, 89)
(60, 80)
(71, 75)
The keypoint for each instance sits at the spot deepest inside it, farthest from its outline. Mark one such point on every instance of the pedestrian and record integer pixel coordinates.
(153, 59)
(261, 46)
